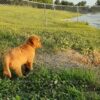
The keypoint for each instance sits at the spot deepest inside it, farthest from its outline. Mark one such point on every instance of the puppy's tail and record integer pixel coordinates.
(6, 70)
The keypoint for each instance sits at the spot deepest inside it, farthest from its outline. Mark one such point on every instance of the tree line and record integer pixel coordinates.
(18, 1)
(57, 2)
(81, 3)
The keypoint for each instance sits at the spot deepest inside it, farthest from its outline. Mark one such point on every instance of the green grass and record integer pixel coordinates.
(45, 83)
(17, 23)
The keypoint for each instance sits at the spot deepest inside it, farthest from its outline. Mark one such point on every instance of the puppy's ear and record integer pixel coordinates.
(30, 41)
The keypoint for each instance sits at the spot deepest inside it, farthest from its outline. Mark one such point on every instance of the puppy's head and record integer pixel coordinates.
(34, 41)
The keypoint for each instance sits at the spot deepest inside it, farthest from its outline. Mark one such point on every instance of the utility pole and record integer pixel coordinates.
(53, 2)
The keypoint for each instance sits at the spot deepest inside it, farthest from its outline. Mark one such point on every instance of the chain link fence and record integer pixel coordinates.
(75, 9)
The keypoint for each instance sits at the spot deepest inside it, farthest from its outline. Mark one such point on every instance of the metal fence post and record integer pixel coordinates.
(45, 17)
(77, 13)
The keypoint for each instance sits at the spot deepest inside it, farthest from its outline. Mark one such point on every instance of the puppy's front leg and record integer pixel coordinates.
(19, 71)
(29, 65)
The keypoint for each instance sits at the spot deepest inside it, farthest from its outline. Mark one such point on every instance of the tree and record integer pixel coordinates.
(67, 3)
(57, 2)
(98, 2)
(43, 1)
(82, 3)
(4, 1)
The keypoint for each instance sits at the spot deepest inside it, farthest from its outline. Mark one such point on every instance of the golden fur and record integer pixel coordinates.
(24, 54)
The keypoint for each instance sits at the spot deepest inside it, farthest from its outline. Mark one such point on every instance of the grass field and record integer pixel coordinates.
(50, 84)
(18, 22)
(45, 83)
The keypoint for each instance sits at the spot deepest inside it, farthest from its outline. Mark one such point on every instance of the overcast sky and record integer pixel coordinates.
(89, 2)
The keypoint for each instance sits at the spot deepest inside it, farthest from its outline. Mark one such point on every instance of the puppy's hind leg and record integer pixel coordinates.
(6, 70)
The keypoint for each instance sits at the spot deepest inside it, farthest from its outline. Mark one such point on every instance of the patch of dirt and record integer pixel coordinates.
(69, 58)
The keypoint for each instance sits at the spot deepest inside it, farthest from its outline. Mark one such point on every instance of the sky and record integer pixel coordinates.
(89, 2)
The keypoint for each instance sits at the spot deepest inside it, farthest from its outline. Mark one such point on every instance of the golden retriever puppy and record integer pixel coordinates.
(24, 54)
